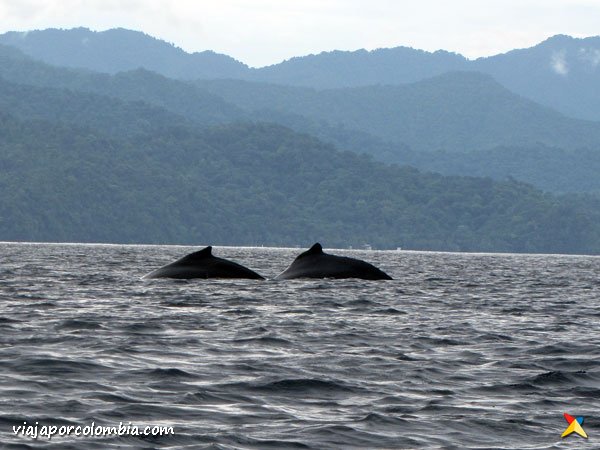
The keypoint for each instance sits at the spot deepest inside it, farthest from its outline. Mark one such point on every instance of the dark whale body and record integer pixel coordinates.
(314, 263)
(203, 264)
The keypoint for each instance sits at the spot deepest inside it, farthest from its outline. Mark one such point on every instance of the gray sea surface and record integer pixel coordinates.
(459, 351)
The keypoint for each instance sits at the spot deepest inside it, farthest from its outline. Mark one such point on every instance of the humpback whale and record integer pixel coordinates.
(314, 263)
(203, 264)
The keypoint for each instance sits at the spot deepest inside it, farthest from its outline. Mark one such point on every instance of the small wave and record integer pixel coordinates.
(554, 349)
(264, 340)
(361, 302)
(56, 367)
(248, 442)
(143, 326)
(8, 320)
(163, 373)
(313, 284)
(493, 337)
(399, 409)
(557, 377)
(78, 324)
(588, 392)
(45, 304)
(378, 419)
(8, 421)
(296, 311)
(522, 388)
(295, 386)
(542, 381)
(213, 398)
(405, 357)
(181, 304)
(307, 385)
(114, 398)
(390, 312)
(240, 312)
(344, 436)
(443, 341)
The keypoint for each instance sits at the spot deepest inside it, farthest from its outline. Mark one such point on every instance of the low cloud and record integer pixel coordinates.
(559, 63)
(590, 56)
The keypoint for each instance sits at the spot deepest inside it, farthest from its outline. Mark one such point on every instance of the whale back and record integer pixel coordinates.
(315, 250)
(196, 257)
(202, 264)
(314, 263)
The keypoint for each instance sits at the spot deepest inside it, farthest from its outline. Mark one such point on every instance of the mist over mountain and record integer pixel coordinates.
(561, 72)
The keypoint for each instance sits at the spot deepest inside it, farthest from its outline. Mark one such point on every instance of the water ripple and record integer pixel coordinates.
(459, 351)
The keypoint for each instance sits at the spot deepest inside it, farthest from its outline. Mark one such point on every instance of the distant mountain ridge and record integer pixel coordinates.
(121, 50)
(455, 112)
(459, 123)
(340, 69)
(137, 85)
(561, 72)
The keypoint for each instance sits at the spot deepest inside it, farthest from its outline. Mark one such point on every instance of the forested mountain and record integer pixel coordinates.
(138, 85)
(460, 123)
(549, 168)
(496, 133)
(339, 69)
(561, 72)
(455, 112)
(458, 111)
(139, 157)
(98, 112)
(262, 184)
(121, 50)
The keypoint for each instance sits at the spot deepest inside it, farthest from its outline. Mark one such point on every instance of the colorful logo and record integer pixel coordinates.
(574, 425)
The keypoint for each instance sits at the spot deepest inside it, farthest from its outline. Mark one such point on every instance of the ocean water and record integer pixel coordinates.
(459, 351)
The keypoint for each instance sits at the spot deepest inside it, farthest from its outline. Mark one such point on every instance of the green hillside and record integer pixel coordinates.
(455, 112)
(98, 112)
(571, 87)
(477, 127)
(178, 97)
(121, 50)
(262, 184)
(562, 72)
(549, 168)
(508, 136)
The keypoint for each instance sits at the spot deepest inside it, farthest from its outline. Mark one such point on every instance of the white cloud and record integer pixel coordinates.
(559, 63)
(590, 55)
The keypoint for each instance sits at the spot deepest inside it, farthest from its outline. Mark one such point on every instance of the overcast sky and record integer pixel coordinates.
(263, 32)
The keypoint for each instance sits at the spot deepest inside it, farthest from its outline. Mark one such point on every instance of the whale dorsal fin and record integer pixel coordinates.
(314, 250)
(201, 254)
(205, 252)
